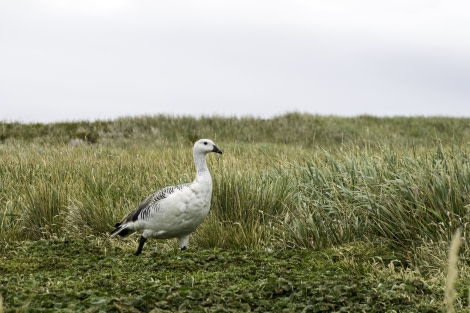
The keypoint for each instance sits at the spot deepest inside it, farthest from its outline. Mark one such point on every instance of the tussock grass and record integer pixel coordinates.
(360, 194)
(293, 181)
(247, 212)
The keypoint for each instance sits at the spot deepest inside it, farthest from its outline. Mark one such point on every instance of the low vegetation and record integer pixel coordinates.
(309, 213)
(100, 275)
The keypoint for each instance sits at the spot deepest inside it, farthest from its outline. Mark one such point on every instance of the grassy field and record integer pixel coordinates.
(309, 214)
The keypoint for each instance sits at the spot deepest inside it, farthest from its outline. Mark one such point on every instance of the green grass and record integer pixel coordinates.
(291, 129)
(371, 199)
(406, 198)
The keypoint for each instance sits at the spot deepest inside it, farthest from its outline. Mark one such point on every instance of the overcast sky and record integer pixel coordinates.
(101, 59)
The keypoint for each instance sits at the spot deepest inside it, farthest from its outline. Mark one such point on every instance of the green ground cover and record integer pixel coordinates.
(98, 275)
(308, 213)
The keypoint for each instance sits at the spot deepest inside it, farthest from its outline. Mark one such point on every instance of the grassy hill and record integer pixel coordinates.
(381, 197)
(292, 129)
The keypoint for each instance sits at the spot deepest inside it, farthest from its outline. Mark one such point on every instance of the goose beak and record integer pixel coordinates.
(216, 150)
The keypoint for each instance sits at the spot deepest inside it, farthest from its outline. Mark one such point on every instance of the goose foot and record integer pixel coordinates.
(142, 240)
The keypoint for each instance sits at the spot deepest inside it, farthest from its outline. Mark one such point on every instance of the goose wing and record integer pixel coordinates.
(146, 208)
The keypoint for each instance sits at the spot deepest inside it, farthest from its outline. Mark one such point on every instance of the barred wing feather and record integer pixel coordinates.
(145, 209)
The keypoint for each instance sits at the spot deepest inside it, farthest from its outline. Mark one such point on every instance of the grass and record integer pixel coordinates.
(452, 272)
(400, 197)
(374, 201)
(291, 129)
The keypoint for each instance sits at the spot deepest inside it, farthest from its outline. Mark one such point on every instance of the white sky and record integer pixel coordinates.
(99, 59)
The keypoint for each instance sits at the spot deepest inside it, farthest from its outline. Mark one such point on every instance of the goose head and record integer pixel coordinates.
(204, 146)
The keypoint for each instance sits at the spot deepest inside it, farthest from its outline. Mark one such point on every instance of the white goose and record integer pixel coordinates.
(174, 211)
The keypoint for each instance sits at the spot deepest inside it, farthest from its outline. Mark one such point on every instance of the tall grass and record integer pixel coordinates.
(360, 194)
(248, 209)
(275, 186)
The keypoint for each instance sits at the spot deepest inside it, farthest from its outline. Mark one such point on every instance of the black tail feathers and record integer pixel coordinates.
(121, 232)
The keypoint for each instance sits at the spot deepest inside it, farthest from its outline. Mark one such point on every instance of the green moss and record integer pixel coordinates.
(83, 275)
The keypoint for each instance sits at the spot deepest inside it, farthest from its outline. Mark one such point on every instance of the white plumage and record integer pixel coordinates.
(174, 211)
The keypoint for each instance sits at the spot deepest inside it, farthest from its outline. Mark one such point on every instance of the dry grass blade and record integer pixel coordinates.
(452, 272)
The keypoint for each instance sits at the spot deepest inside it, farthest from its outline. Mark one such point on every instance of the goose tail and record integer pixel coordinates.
(121, 230)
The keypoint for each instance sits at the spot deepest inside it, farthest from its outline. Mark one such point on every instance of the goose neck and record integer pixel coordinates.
(200, 163)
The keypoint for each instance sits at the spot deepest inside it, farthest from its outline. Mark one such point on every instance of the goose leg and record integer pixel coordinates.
(183, 242)
(142, 240)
